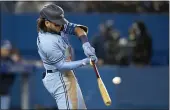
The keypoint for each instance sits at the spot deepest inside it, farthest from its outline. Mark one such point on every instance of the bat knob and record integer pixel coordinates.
(91, 62)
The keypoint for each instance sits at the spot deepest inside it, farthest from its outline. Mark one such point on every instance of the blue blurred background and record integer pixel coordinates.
(145, 78)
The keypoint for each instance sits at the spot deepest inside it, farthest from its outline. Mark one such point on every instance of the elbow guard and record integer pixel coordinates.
(85, 28)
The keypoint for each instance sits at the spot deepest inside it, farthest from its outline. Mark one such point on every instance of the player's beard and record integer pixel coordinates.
(52, 30)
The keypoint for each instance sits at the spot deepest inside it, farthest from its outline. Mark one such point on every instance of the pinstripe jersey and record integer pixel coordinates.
(52, 47)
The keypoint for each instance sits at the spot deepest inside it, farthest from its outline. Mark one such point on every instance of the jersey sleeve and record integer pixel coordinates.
(70, 27)
(55, 57)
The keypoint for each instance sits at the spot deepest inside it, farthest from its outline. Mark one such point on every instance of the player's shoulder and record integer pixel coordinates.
(47, 40)
(48, 37)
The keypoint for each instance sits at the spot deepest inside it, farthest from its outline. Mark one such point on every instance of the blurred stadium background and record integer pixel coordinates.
(131, 39)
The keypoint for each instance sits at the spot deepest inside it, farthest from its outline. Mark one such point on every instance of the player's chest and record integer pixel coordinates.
(62, 44)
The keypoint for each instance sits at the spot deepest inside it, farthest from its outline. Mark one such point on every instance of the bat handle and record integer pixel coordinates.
(92, 62)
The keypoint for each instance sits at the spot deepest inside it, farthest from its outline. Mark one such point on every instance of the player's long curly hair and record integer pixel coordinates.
(41, 25)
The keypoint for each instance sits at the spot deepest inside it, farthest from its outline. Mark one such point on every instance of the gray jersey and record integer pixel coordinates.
(63, 86)
(52, 47)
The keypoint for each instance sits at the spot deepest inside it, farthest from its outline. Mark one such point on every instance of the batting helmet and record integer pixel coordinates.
(53, 13)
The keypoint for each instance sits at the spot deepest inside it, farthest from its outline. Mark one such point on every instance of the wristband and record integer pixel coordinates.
(83, 38)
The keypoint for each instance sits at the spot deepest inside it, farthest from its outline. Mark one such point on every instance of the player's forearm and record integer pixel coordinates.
(71, 65)
(81, 34)
(88, 49)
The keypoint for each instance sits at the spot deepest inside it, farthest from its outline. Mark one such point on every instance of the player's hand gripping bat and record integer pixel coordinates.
(102, 88)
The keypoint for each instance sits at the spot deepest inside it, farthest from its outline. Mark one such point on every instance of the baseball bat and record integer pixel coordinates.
(102, 88)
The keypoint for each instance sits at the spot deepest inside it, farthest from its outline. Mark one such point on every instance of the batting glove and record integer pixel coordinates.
(88, 49)
(94, 59)
(86, 61)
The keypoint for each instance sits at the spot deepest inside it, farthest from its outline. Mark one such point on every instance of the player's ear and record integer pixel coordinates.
(47, 23)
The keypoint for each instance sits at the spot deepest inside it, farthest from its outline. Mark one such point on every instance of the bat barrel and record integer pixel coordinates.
(104, 93)
(108, 103)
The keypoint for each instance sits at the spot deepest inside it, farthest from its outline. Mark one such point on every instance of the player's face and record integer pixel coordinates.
(52, 26)
(5, 52)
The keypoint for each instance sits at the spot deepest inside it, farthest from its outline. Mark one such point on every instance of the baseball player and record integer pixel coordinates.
(53, 46)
